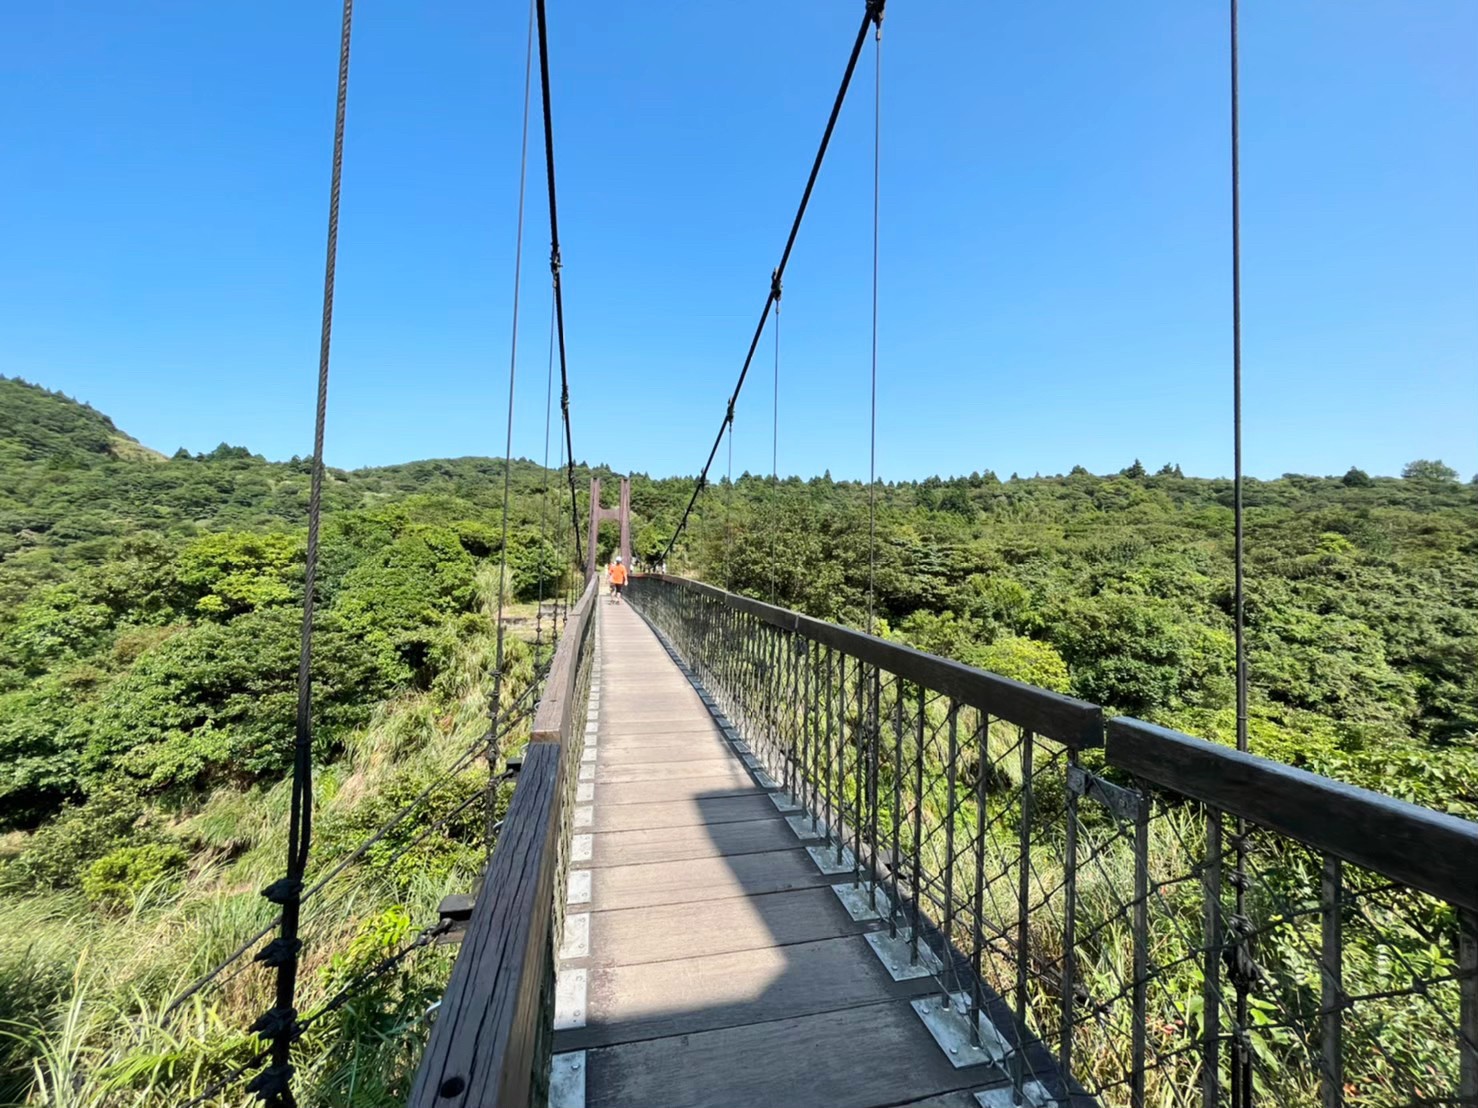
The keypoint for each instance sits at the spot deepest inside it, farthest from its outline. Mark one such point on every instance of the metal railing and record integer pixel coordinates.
(1110, 911)
(490, 1045)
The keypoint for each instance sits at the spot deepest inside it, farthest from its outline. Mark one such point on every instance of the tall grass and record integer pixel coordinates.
(83, 988)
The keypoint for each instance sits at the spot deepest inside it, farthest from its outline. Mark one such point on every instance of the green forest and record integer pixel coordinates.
(149, 620)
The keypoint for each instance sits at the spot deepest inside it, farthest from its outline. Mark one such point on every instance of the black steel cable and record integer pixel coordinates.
(555, 265)
(544, 495)
(1241, 1079)
(873, 14)
(274, 1084)
(872, 457)
(775, 450)
(495, 702)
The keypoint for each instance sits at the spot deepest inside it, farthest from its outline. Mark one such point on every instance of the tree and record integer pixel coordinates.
(1424, 470)
(1135, 471)
(1357, 479)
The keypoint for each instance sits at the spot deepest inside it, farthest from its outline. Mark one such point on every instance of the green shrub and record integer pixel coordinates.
(58, 853)
(117, 878)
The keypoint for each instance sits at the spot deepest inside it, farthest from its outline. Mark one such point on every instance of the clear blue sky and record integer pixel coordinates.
(1056, 266)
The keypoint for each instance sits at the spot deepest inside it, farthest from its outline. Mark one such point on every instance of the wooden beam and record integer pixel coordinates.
(486, 1039)
(1427, 850)
(552, 718)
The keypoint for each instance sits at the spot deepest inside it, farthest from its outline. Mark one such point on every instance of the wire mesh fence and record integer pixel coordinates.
(1147, 921)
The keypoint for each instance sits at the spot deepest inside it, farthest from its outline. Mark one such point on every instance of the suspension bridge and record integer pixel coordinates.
(755, 858)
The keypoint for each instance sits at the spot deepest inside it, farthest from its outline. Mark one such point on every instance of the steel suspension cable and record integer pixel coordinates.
(544, 496)
(1241, 1076)
(278, 1024)
(872, 15)
(775, 446)
(555, 265)
(1237, 553)
(872, 454)
(491, 753)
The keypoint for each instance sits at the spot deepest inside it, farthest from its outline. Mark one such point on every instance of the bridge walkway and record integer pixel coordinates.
(706, 958)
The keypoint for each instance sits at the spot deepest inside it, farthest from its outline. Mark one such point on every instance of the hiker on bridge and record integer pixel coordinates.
(617, 575)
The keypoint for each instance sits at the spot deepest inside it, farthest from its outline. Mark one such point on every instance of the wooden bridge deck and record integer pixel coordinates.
(706, 959)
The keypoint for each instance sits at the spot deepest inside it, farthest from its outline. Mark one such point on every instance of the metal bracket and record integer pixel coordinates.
(567, 1080)
(1123, 803)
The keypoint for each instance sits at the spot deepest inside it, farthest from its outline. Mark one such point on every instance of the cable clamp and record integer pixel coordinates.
(554, 261)
(775, 285)
(875, 12)
(284, 890)
(279, 952)
(277, 1023)
(272, 1084)
(729, 417)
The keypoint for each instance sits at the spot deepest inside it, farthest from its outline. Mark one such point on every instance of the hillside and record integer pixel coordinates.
(148, 630)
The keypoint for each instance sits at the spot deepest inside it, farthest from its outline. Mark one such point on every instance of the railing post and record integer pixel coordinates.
(1023, 901)
(897, 856)
(859, 732)
(1211, 965)
(1468, 1008)
(826, 761)
(949, 835)
(874, 742)
(1069, 923)
(1331, 973)
(1141, 949)
(978, 936)
(918, 829)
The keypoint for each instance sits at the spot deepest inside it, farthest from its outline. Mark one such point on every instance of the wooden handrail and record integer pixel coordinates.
(1416, 846)
(490, 1039)
(1065, 719)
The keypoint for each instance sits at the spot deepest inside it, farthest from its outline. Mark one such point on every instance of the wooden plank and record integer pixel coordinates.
(681, 788)
(699, 748)
(634, 737)
(727, 769)
(483, 1045)
(1075, 723)
(879, 1054)
(1427, 850)
(696, 879)
(656, 999)
(671, 844)
(662, 932)
(682, 813)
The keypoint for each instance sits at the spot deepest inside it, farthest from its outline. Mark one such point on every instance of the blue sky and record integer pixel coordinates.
(1056, 267)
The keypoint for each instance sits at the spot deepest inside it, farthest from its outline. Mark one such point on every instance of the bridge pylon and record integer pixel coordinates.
(621, 514)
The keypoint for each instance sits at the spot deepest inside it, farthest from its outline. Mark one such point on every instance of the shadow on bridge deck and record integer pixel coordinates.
(707, 960)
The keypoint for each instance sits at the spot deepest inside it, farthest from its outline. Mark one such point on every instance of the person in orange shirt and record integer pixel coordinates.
(617, 574)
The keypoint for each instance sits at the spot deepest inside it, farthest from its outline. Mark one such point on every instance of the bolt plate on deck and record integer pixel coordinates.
(585, 790)
(589, 755)
(576, 943)
(765, 780)
(579, 889)
(950, 1026)
(567, 1080)
(783, 802)
(569, 998)
(587, 772)
(896, 954)
(584, 816)
(581, 848)
(825, 858)
(862, 901)
(1033, 1095)
(805, 827)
